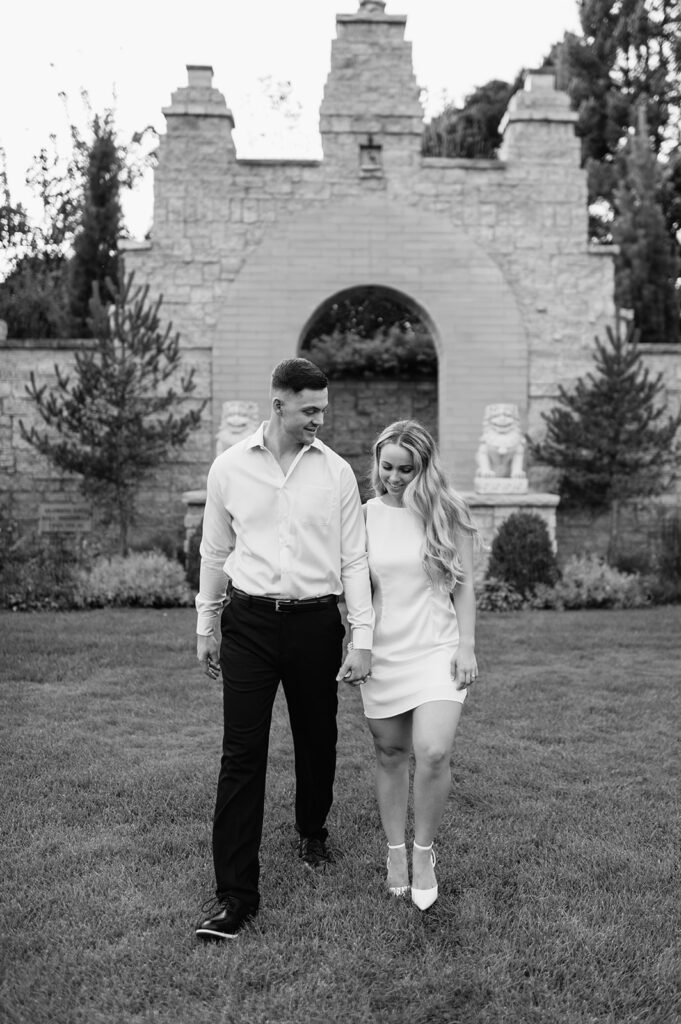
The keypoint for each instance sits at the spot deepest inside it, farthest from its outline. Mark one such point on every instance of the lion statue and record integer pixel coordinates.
(502, 447)
(239, 419)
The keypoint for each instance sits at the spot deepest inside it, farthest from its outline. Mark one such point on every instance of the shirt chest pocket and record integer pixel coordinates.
(312, 505)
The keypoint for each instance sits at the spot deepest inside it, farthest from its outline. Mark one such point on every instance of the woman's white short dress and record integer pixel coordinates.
(415, 633)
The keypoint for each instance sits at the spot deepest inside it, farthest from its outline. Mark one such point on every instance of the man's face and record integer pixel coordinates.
(302, 413)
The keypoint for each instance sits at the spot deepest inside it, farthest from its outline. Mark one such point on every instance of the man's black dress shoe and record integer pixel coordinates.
(225, 919)
(314, 853)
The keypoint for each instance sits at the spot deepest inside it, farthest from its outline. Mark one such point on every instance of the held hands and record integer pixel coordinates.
(208, 654)
(355, 668)
(464, 667)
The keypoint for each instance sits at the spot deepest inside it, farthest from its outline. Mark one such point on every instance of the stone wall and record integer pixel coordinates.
(35, 494)
(360, 409)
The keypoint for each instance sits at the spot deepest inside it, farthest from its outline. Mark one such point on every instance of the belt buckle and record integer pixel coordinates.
(281, 603)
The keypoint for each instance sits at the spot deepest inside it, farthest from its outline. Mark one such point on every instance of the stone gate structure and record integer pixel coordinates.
(492, 254)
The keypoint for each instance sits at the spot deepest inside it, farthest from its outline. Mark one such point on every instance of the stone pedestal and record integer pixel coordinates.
(490, 510)
(506, 485)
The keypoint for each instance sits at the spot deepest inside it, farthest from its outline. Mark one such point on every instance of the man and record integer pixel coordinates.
(284, 523)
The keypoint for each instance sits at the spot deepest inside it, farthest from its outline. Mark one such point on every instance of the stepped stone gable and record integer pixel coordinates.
(492, 253)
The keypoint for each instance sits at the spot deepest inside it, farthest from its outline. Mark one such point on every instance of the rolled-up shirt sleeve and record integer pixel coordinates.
(217, 544)
(355, 564)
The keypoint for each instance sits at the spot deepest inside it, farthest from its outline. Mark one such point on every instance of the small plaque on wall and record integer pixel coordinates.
(371, 160)
(64, 517)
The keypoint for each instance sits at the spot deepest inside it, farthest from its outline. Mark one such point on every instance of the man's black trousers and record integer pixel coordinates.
(260, 648)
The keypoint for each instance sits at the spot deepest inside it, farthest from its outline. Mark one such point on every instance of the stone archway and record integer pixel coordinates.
(307, 257)
(349, 335)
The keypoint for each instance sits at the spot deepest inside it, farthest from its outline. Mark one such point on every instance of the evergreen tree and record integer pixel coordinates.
(608, 436)
(95, 245)
(629, 55)
(647, 264)
(47, 289)
(471, 131)
(627, 66)
(116, 417)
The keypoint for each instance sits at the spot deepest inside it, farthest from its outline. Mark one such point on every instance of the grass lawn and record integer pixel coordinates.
(558, 858)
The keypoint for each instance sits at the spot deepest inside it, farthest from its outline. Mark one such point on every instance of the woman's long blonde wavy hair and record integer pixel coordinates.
(444, 513)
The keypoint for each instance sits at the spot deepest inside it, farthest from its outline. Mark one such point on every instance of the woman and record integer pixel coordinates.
(420, 540)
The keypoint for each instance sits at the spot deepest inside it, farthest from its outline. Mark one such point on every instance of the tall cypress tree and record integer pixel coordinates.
(647, 264)
(611, 437)
(95, 246)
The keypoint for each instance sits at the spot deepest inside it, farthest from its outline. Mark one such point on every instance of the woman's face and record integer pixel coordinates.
(395, 470)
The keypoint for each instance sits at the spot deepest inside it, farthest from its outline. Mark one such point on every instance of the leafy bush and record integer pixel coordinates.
(588, 582)
(545, 596)
(522, 555)
(393, 352)
(633, 560)
(37, 573)
(663, 591)
(146, 579)
(499, 596)
(168, 542)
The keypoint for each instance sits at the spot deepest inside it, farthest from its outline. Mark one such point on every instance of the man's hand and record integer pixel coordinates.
(208, 654)
(355, 668)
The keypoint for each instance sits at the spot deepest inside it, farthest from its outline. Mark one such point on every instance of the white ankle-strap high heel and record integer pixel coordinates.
(424, 898)
(396, 890)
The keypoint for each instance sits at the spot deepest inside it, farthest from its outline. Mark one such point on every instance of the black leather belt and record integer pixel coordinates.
(285, 604)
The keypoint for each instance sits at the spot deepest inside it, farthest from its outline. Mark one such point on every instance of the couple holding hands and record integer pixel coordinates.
(284, 524)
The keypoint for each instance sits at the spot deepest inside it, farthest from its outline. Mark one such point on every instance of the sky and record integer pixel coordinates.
(132, 54)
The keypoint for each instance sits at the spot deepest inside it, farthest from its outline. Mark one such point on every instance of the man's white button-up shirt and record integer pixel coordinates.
(296, 535)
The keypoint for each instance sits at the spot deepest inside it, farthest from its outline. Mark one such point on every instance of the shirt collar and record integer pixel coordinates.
(257, 440)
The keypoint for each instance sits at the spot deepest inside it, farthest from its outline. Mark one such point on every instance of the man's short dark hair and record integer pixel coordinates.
(296, 375)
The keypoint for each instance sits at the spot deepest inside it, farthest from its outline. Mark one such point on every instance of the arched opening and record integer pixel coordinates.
(378, 348)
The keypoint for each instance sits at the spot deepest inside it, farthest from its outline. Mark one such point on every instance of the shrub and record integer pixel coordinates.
(146, 579)
(588, 582)
(393, 352)
(498, 596)
(168, 542)
(522, 555)
(545, 596)
(37, 572)
(634, 560)
(663, 591)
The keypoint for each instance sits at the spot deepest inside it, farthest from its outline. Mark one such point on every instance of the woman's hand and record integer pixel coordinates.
(464, 667)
